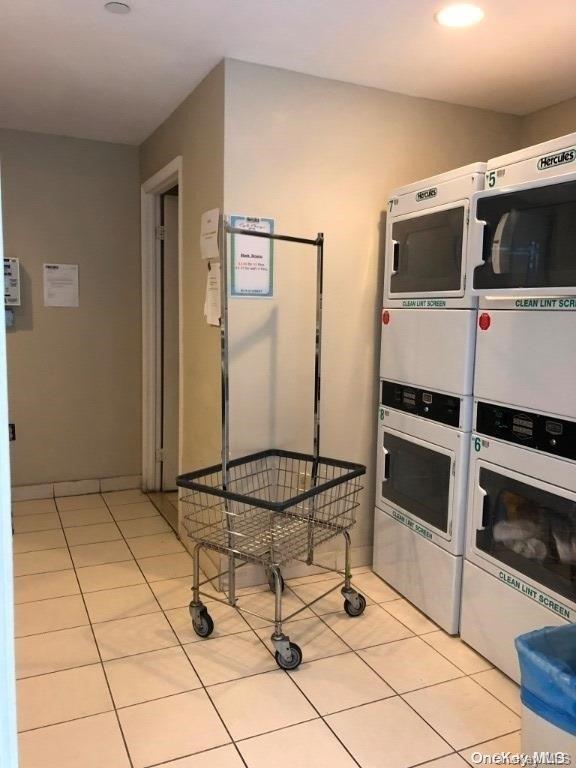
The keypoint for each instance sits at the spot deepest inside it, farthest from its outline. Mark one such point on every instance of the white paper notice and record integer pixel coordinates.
(209, 234)
(61, 285)
(212, 301)
(252, 259)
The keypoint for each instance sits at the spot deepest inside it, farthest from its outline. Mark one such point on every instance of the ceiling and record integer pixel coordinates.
(70, 67)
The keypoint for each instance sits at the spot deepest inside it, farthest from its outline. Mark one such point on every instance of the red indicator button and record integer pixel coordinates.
(484, 321)
(385, 317)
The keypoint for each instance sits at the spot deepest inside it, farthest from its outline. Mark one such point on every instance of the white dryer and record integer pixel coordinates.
(523, 229)
(520, 564)
(427, 238)
(422, 469)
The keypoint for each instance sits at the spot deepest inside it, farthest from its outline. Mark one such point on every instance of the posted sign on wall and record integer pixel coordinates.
(252, 259)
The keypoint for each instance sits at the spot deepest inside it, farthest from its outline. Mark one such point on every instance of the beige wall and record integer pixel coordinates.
(196, 132)
(548, 123)
(321, 155)
(74, 374)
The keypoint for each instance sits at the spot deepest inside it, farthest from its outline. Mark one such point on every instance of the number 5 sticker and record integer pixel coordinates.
(491, 178)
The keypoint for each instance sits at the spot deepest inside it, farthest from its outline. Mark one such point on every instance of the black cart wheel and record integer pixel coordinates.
(355, 610)
(272, 582)
(203, 624)
(295, 659)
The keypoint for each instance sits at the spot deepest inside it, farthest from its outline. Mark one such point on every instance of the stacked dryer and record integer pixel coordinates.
(520, 567)
(425, 411)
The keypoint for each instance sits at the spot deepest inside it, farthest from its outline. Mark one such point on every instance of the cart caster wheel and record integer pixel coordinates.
(355, 610)
(295, 659)
(272, 582)
(203, 624)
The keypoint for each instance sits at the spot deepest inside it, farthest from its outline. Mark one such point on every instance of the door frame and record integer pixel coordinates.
(166, 178)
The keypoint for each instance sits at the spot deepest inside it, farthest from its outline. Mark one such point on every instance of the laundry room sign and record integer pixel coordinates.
(252, 259)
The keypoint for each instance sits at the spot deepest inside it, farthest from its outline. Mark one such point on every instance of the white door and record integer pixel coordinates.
(7, 691)
(170, 343)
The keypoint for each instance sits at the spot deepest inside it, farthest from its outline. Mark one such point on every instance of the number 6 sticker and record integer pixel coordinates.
(477, 444)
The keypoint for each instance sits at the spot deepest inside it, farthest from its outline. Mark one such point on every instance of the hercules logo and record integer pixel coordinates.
(558, 158)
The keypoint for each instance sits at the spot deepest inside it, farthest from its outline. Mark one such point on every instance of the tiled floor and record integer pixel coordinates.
(111, 674)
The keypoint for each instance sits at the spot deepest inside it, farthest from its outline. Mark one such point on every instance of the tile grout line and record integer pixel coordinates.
(191, 665)
(100, 655)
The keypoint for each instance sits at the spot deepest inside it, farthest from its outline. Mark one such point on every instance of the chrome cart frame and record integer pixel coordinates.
(272, 506)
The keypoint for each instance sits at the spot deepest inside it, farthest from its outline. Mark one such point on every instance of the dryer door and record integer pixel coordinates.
(424, 253)
(529, 240)
(417, 477)
(526, 526)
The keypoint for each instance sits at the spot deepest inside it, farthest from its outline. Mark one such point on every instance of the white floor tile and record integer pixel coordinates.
(173, 593)
(32, 542)
(143, 526)
(452, 761)
(134, 511)
(373, 627)
(509, 743)
(137, 634)
(457, 652)
(313, 636)
(409, 664)
(44, 585)
(387, 734)
(131, 496)
(43, 561)
(100, 553)
(92, 534)
(410, 616)
(221, 757)
(120, 603)
(166, 566)
(221, 659)
(332, 603)
(262, 604)
(373, 587)
(500, 686)
(463, 712)
(172, 727)
(33, 507)
(77, 517)
(158, 544)
(85, 501)
(53, 651)
(226, 620)
(49, 615)
(61, 696)
(151, 675)
(92, 742)
(308, 745)
(108, 576)
(274, 702)
(339, 682)
(45, 521)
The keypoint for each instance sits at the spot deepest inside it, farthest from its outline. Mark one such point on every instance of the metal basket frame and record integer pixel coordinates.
(235, 508)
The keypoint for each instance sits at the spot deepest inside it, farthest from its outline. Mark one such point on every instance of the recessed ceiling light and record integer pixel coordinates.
(117, 7)
(459, 15)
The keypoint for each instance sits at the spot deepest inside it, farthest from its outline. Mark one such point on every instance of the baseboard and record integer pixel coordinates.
(75, 487)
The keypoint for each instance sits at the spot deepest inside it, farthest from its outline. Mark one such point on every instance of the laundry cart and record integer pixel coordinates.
(273, 506)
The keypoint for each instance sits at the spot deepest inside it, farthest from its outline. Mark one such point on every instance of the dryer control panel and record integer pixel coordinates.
(533, 430)
(425, 403)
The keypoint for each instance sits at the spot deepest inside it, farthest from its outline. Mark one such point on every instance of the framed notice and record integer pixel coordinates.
(252, 259)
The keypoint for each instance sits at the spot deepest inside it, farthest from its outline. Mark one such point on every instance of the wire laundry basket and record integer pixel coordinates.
(272, 506)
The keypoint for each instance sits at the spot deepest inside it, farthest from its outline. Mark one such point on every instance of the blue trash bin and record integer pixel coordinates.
(547, 659)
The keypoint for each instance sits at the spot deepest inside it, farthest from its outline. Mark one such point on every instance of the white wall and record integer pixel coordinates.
(318, 155)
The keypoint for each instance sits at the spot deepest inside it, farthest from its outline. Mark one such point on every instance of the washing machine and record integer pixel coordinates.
(426, 241)
(422, 468)
(520, 563)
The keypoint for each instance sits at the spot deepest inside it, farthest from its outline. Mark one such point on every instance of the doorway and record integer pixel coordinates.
(161, 258)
